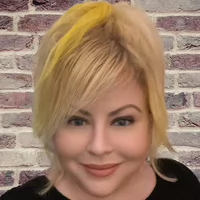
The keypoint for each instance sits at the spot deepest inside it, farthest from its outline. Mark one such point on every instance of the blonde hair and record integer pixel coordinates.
(91, 47)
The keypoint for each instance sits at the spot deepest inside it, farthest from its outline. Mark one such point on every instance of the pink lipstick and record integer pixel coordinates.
(101, 170)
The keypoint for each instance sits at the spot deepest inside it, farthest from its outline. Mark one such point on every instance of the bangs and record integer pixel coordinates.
(84, 75)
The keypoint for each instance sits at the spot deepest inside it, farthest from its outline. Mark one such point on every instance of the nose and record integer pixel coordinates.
(100, 143)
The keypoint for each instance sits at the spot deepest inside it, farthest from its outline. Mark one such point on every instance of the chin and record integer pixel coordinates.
(100, 190)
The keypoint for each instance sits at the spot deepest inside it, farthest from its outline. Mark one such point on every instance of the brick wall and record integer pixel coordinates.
(23, 22)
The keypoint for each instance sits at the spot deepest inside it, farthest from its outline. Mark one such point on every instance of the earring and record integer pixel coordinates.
(148, 158)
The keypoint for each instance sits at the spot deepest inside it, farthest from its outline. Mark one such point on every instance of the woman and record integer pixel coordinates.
(99, 109)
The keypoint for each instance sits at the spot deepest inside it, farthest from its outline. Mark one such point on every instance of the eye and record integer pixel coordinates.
(124, 121)
(76, 121)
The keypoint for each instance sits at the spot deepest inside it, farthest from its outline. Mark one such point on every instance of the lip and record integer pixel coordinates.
(101, 170)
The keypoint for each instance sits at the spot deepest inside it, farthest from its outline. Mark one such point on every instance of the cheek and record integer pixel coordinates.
(135, 142)
(69, 144)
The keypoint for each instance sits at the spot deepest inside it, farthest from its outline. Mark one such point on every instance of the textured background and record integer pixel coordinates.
(22, 24)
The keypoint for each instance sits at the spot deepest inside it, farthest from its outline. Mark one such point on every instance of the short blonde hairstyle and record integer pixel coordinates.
(91, 47)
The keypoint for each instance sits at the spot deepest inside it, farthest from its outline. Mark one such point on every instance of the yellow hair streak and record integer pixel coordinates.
(92, 14)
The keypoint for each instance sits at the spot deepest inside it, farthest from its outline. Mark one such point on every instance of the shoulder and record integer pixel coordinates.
(174, 168)
(28, 190)
(186, 180)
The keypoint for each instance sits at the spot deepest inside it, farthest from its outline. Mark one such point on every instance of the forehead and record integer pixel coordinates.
(120, 95)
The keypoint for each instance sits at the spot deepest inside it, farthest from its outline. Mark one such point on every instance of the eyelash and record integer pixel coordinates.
(130, 119)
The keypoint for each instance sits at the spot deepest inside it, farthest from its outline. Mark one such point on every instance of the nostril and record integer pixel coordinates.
(99, 149)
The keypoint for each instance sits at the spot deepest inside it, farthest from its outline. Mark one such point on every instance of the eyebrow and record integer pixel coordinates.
(114, 112)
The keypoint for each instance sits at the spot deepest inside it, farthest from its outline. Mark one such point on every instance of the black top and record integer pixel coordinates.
(186, 188)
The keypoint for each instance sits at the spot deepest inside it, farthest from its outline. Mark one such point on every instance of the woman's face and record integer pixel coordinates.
(105, 144)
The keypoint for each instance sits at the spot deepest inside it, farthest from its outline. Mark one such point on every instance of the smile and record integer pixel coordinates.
(100, 170)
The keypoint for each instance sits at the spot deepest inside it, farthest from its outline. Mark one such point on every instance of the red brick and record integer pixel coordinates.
(6, 23)
(6, 178)
(16, 42)
(169, 5)
(35, 23)
(14, 5)
(185, 61)
(54, 4)
(15, 81)
(16, 100)
(28, 175)
(6, 62)
(189, 119)
(177, 101)
(7, 141)
(179, 23)
(191, 158)
(196, 96)
(25, 62)
(16, 120)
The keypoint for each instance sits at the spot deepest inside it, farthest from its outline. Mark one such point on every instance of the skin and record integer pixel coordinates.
(97, 137)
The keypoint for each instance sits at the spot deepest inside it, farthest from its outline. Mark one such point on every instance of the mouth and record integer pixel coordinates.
(100, 170)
